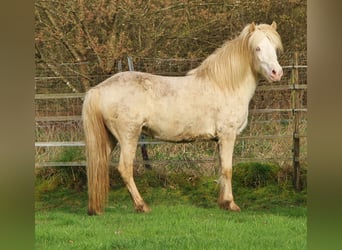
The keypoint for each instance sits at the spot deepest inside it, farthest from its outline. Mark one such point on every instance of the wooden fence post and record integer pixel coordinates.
(296, 141)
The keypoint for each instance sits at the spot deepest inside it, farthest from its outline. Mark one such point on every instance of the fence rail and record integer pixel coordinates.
(114, 163)
(156, 142)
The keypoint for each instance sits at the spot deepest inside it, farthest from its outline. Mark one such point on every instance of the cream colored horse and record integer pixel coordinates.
(210, 102)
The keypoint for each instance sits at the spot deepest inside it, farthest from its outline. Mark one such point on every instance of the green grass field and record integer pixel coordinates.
(184, 216)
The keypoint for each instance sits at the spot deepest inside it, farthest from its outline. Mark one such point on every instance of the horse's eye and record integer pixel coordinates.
(257, 49)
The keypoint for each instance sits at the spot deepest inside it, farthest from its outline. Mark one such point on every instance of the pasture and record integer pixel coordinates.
(184, 215)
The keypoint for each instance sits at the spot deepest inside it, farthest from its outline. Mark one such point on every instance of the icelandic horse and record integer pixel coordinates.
(209, 103)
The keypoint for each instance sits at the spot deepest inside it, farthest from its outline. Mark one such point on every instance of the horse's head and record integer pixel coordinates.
(264, 42)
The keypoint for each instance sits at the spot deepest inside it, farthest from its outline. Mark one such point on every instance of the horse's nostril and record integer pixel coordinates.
(274, 72)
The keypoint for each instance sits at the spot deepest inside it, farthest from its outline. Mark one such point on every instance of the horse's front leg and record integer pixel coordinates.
(226, 149)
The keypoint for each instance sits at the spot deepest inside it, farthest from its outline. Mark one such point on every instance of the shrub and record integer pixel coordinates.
(74, 177)
(254, 174)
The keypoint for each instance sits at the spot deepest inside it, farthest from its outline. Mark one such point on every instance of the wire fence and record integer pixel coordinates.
(277, 112)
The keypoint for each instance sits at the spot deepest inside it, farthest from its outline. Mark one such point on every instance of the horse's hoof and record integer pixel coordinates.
(234, 207)
(143, 208)
(229, 205)
(92, 212)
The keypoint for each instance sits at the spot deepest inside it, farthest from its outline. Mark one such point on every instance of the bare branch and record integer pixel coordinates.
(55, 70)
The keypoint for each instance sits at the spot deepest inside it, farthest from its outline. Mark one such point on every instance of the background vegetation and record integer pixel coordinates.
(99, 32)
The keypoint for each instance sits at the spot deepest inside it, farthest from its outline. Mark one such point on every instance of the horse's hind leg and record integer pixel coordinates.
(127, 155)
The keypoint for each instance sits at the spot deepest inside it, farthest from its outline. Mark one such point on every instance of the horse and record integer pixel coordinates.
(209, 103)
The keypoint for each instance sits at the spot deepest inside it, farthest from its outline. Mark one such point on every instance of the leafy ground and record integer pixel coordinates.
(184, 216)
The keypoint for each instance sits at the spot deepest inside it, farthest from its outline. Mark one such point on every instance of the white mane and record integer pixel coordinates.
(230, 63)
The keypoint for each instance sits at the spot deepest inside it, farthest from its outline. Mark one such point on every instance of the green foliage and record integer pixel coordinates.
(74, 177)
(70, 154)
(254, 174)
(255, 185)
(50, 179)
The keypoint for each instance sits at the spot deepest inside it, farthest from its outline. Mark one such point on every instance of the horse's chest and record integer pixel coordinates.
(233, 116)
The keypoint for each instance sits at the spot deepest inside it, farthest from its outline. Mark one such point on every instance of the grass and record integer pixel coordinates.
(184, 216)
(171, 227)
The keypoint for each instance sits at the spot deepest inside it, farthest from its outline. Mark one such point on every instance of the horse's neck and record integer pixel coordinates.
(244, 92)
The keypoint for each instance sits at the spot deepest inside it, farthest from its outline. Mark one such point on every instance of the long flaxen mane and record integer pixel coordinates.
(230, 63)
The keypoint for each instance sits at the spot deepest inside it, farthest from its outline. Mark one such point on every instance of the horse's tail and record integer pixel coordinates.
(98, 149)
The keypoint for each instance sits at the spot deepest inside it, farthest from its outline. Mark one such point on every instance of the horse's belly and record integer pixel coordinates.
(179, 131)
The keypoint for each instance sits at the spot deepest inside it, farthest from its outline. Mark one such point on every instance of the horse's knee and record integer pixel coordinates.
(227, 173)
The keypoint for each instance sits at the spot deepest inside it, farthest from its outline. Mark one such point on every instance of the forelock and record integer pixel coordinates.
(261, 31)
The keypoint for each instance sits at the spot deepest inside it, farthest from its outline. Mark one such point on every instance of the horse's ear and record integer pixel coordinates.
(274, 25)
(252, 27)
